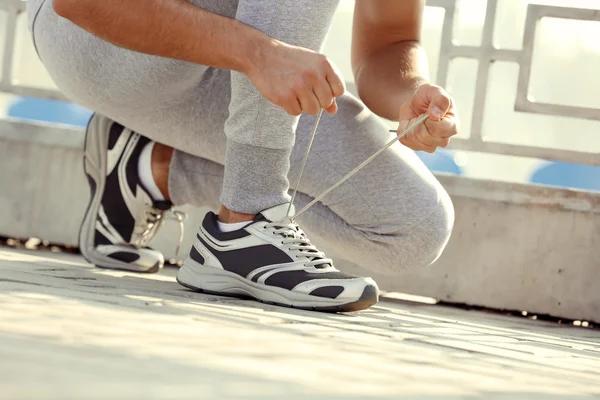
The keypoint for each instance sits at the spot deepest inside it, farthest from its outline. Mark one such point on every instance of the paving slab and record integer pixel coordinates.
(71, 331)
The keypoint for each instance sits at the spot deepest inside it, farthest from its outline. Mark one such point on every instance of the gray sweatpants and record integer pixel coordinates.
(391, 216)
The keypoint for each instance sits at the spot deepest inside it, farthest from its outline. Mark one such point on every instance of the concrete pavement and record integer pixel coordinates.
(70, 331)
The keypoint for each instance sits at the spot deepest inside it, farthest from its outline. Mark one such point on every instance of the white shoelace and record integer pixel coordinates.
(409, 129)
(155, 219)
(296, 240)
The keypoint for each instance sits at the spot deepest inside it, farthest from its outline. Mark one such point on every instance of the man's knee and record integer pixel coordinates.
(430, 237)
(423, 243)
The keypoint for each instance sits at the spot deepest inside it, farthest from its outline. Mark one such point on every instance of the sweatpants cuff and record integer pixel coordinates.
(255, 178)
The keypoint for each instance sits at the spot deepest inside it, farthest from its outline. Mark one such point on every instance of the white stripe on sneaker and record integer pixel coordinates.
(100, 228)
(113, 155)
(111, 233)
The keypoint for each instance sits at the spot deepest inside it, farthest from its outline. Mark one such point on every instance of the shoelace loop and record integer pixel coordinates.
(297, 241)
(155, 219)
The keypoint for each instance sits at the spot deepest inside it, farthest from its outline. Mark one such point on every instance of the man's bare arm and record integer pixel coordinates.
(294, 78)
(168, 28)
(387, 58)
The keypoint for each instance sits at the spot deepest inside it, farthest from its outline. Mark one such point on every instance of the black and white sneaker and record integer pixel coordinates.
(121, 217)
(273, 262)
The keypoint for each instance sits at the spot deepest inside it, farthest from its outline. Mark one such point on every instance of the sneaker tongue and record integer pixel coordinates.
(278, 213)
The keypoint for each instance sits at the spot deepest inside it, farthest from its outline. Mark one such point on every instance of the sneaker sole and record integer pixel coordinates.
(94, 166)
(224, 283)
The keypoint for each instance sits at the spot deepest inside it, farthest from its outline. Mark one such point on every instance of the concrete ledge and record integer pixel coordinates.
(515, 246)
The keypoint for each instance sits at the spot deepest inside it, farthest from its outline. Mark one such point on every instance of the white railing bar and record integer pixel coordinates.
(9, 45)
(450, 10)
(483, 70)
(494, 54)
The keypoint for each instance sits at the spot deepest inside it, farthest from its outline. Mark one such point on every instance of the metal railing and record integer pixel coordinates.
(485, 54)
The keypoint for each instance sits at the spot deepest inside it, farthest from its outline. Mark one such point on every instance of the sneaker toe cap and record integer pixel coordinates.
(132, 258)
(341, 289)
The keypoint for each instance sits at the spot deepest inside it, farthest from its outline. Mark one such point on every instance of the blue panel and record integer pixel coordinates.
(440, 161)
(49, 111)
(570, 175)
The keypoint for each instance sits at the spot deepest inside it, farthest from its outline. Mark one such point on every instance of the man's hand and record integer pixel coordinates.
(441, 125)
(297, 79)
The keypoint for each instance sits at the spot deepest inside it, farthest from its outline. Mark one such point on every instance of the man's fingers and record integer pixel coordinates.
(308, 100)
(292, 107)
(424, 138)
(421, 139)
(440, 103)
(289, 102)
(424, 135)
(445, 128)
(333, 108)
(334, 77)
(323, 94)
(411, 141)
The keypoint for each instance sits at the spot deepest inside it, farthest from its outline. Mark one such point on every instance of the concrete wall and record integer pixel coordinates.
(515, 246)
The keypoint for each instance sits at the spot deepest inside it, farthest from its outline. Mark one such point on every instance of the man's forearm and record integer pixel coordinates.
(169, 28)
(389, 77)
